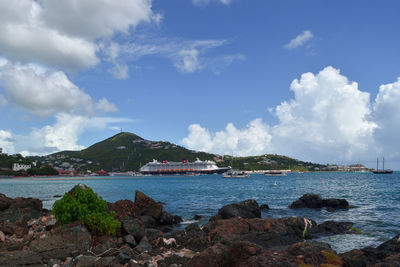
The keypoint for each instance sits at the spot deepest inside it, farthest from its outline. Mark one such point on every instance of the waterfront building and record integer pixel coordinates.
(20, 167)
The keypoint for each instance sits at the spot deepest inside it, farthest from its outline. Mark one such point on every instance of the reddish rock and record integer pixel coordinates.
(145, 205)
(263, 232)
(64, 241)
(5, 202)
(212, 256)
(21, 202)
(122, 208)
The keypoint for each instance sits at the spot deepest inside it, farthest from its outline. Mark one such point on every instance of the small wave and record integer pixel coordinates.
(189, 222)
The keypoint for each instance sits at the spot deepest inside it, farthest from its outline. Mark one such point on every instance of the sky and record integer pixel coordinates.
(314, 80)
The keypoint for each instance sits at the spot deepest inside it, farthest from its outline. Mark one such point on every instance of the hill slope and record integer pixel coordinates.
(127, 151)
(121, 152)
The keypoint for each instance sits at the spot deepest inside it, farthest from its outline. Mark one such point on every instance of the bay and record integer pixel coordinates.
(376, 198)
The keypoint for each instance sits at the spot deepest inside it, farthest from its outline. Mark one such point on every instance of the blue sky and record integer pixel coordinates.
(216, 76)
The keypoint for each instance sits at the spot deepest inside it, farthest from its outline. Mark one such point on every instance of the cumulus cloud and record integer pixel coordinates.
(328, 118)
(62, 135)
(299, 40)
(6, 141)
(254, 139)
(386, 112)
(45, 92)
(65, 33)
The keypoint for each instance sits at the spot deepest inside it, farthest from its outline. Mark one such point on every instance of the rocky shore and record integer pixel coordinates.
(235, 236)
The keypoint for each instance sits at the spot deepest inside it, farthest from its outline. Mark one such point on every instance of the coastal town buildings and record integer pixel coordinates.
(19, 167)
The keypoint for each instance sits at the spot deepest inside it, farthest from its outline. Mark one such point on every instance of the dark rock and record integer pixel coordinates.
(148, 221)
(64, 241)
(355, 258)
(21, 202)
(266, 233)
(168, 219)
(313, 201)
(331, 228)
(192, 237)
(145, 205)
(122, 208)
(307, 201)
(20, 258)
(129, 239)
(133, 227)
(85, 261)
(123, 258)
(106, 261)
(105, 243)
(57, 196)
(152, 234)
(196, 217)
(144, 245)
(5, 202)
(212, 256)
(383, 255)
(245, 209)
(264, 207)
(333, 204)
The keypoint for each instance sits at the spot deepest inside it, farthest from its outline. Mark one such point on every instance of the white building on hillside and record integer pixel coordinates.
(19, 167)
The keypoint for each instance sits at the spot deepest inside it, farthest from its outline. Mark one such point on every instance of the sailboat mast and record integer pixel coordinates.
(377, 163)
(383, 168)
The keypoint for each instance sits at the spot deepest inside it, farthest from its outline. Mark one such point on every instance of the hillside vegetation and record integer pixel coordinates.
(127, 151)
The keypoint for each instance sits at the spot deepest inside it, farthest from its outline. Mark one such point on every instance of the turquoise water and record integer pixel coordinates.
(376, 197)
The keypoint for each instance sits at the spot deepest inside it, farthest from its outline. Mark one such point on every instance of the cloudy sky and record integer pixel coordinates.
(315, 80)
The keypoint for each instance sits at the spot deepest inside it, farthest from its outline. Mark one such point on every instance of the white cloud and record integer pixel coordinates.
(62, 135)
(206, 2)
(386, 112)
(45, 92)
(299, 40)
(254, 139)
(188, 61)
(186, 56)
(66, 33)
(6, 142)
(328, 119)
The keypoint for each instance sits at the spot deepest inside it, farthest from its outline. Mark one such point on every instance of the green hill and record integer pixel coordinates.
(122, 152)
(127, 151)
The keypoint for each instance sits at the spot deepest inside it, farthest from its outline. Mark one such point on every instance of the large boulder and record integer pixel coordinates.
(151, 212)
(245, 209)
(134, 227)
(122, 208)
(328, 228)
(15, 213)
(64, 241)
(145, 205)
(266, 233)
(313, 201)
(5, 202)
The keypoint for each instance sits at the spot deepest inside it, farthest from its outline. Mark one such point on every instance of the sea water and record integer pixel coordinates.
(375, 197)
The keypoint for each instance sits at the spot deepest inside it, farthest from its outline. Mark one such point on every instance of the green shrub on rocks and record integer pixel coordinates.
(84, 205)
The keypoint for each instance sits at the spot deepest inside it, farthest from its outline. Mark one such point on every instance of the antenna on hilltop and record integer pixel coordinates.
(121, 129)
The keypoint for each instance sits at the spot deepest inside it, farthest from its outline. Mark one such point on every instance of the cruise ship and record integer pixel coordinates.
(185, 167)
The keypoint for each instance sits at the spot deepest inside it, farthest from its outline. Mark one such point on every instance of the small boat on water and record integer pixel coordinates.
(274, 173)
(383, 171)
(235, 174)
